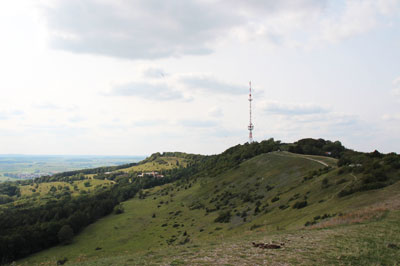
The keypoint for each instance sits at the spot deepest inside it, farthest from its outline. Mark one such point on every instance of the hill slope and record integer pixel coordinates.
(212, 218)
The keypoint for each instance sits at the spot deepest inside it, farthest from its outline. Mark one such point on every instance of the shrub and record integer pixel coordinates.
(299, 204)
(118, 209)
(65, 234)
(62, 261)
(276, 198)
(341, 181)
(282, 207)
(325, 183)
(223, 217)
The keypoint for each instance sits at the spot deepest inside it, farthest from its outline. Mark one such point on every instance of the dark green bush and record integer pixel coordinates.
(299, 204)
(276, 198)
(223, 217)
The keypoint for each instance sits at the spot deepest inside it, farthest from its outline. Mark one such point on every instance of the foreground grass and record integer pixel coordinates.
(370, 243)
(165, 228)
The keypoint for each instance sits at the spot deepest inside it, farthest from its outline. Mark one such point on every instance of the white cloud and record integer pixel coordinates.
(278, 108)
(396, 89)
(215, 112)
(4, 115)
(154, 73)
(135, 29)
(211, 84)
(150, 123)
(391, 117)
(148, 91)
(156, 29)
(198, 123)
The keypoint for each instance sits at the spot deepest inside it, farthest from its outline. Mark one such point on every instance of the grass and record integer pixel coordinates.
(337, 245)
(43, 189)
(172, 226)
(163, 163)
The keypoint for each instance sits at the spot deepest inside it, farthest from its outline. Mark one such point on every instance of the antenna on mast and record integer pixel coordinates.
(251, 126)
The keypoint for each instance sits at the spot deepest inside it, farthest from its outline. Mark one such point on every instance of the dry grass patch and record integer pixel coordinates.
(374, 212)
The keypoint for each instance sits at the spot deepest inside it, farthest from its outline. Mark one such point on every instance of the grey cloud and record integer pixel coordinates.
(396, 89)
(294, 109)
(135, 29)
(154, 29)
(154, 73)
(211, 84)
(147, 91)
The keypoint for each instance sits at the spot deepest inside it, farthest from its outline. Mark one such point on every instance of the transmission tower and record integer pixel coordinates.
(251, 126)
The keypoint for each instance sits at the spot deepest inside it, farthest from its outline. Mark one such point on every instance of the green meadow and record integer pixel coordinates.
(279, 197)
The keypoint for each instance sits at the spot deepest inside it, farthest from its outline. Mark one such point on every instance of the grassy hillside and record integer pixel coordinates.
(75, 187)
(212, 218)
(159, 164)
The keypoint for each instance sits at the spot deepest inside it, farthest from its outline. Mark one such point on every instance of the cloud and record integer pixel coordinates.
(357, 17)
(294, 109)
(147, 91)
(396, 89)
(4, 115)
(150, 123)
(215, 112)
(211, 84)
(154, 73)
(52, 106)
(135, 29)
(198, 123)
(61, 130)
(76, 119)
(391, 117)
(157, 29)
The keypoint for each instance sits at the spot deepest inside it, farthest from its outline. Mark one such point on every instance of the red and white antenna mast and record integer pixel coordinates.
(251, 126)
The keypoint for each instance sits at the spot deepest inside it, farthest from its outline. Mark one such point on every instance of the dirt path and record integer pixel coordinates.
(304, 157)
(315, 160)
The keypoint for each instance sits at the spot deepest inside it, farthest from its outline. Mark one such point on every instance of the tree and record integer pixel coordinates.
(65, 234)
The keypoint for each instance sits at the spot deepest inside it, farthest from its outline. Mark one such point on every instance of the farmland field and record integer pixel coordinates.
(14, 167)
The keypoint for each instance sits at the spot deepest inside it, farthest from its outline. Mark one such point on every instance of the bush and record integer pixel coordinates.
(65, 234)
(341, 181)
(62, 261)
(223, 217)
(300, 204)
(276, 198)
(325, 183)
(5, 199)
(118, 209)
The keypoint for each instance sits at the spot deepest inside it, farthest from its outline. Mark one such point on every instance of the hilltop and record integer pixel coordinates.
(209, 209)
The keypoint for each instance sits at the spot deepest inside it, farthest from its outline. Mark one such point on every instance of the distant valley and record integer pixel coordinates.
(14, 167)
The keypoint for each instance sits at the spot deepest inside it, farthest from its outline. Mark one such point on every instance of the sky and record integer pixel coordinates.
(119, 77)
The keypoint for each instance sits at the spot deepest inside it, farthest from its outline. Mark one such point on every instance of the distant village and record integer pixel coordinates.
(153, 174)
